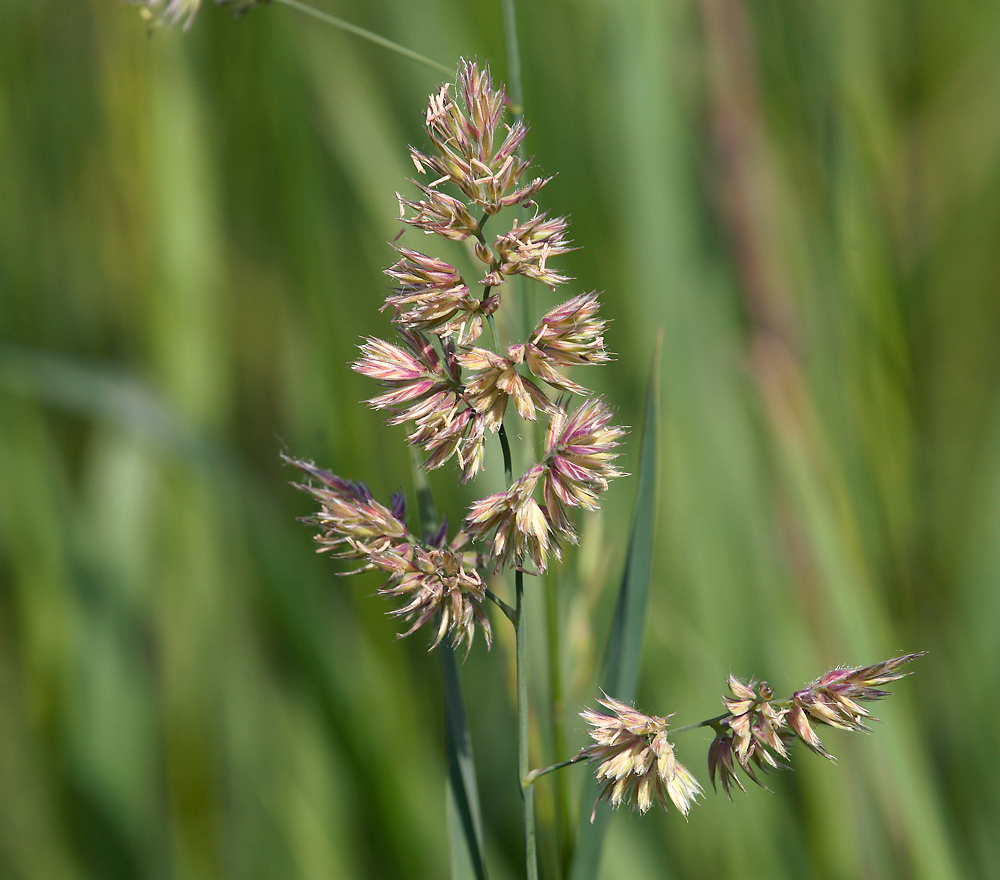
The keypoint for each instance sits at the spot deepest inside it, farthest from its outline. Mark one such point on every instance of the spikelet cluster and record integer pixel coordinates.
(637, 762)
(638, 766)
(437, 581)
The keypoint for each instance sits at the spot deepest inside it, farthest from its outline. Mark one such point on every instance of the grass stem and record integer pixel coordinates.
(365, 34)
(527, 790)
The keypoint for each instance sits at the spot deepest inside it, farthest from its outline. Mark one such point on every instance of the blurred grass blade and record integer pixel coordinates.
(465, 824)
(96, 392)
(624, 652)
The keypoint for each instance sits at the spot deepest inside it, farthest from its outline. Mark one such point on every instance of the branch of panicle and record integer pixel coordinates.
(755, 733)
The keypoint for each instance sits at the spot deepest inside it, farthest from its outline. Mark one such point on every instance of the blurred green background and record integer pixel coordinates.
(804, 196)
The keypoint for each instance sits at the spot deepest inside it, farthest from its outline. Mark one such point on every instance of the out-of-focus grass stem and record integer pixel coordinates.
(557, 696)
(365, 34)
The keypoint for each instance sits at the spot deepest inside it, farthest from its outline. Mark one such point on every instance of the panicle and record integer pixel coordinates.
(638, 765)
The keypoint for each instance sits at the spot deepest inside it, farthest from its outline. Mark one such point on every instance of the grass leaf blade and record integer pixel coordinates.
(464, 817)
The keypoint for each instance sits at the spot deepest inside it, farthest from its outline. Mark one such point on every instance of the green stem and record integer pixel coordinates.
(365, 35)
(509, 612)
(576, 759)
(426, 511)
(516, 90)
(558, 723)
(527, 791)
(516, 94)
(708, 722)
(493, 327)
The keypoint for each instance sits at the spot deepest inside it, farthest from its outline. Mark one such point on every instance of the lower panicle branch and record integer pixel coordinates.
(755, 734)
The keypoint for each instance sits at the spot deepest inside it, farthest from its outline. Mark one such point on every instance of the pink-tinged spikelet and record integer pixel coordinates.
(464, 139)
(756, 725)
(433, 297)
(425, 388)
(522, 529)
(579, 461)
(759, 730)
(834, 698)
(566, 336)
(526, 249)
(492, 381)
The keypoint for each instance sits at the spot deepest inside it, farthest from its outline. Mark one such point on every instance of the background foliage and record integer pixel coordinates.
(805, 196)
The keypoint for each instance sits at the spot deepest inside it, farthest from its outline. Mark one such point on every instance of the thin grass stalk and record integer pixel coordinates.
(365, 34)
(516, 96)
(514, 85)
(557, 697)
(523, 765)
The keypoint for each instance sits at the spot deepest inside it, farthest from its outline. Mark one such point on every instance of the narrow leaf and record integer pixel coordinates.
(620, 676)
(464, 818)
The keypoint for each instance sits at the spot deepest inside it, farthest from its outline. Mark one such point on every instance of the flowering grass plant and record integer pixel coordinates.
(455, 385)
